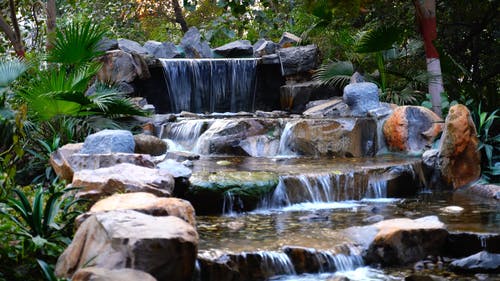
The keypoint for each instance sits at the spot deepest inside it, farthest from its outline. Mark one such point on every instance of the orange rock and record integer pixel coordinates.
(411, 128)
(460, 159)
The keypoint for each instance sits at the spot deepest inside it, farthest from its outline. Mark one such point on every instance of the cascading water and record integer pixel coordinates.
(210, 85)
(276, 263)
(183, 135)
(231, 204)
(284, 146)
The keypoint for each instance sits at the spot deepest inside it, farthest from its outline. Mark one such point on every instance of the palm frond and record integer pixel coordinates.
(77, 43)
(378, 39)
(335, 74)
(10, 69)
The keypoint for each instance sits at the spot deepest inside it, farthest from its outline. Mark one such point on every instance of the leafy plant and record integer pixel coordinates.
(335, 74)
(489, 145)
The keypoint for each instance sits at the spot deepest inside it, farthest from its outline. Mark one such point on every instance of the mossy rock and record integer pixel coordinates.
(207, 190)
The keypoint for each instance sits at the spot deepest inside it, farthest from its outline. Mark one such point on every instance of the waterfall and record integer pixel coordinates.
(285, 138)
(210, 85)
(184, 134)
(231, 204)
(377, 187)
(275, 263)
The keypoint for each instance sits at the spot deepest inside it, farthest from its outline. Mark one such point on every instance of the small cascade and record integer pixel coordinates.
(285, 138)
(231, 204)
(184, 134)
(313, 188)
(377, 187)
(210, 85)
(276, 263)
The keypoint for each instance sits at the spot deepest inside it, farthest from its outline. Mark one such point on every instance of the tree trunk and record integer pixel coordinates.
(179, 16)
(426, 15)
(13, 38)
(51, 23)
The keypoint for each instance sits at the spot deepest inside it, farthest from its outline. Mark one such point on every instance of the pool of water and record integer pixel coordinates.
(320, 225)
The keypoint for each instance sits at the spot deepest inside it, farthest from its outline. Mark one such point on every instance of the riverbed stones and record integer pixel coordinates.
(361, 97)
(119, 66)
(109, 141)
(490, 191)
(122, 178)
(329, 108)
(295, 60)
(164, 247)
(411, 129)
(235, 49)
(146, 203)
(459, 156)
(103, 274)
(176, 169)
(147, 144)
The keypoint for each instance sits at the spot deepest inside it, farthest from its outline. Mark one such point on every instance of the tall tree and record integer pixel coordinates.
(51, 23)
(12, 30)
(426, 15)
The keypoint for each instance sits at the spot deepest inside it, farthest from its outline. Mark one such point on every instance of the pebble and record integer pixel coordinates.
(452, 209)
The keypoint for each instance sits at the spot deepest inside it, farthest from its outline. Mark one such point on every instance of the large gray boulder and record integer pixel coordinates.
(109, 141)
(264, 47)
(119, 66)
(165, 50)
(176, 169)
(123, 177)
(130, 46)
(295, 60)
(361, 98)
(236, 49)
(289, 39)
(164, 247)
(480, 262)
(193, 46)
(147, 144)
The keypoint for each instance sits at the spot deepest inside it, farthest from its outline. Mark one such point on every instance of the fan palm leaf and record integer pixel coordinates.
(77, 43)
(335, 74)
(378, 39)
(10, 69)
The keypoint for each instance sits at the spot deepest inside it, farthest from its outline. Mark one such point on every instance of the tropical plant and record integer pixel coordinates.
(489, 145)
(335, 74)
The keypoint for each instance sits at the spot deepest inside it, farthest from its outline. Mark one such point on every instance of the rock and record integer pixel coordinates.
(109, 141)
(415, 277)
(166, 50)
(130, 46)
(59, 160)
(236, 49)
(151, 145)
(452, 209)
(264, 47)
(295, 60)
(294, 97)
(145, 203)
(107, 44)
(65, 164)
(182, 155)
(357, 78)
(401, 241)
(491, 191)
(193, 46)
(176, 169)
(270, 59)
(164, 247)
(361, 97)
(122, 178)
(329, 108)
(245, 187)
(463, 244)
(480, 262)
(260, 146)
(411, 129)
(103, 274)
(225, 135)
(270, 114)
(342, 137)
(458, 150)
(288, 39)
(119, 66)
(125, 88)
(373, 219)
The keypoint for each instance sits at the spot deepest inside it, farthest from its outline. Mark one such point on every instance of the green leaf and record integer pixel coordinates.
(37, 216)
(39, 241)
(378, 39)
(48, 272)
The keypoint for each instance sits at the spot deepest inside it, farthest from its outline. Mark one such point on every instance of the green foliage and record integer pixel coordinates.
(489, 145)
(445, 103)
(335, 74)
(77, 43)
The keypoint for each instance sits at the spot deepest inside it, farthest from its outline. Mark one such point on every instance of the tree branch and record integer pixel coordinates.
(14, 40)
(13, 18)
